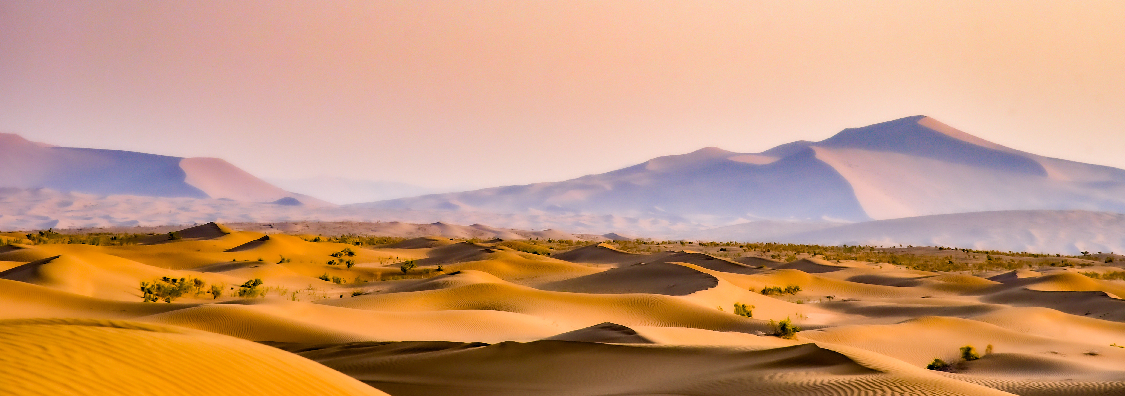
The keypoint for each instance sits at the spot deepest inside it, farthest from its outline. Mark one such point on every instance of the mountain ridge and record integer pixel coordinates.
(119, 172)
(908, 167)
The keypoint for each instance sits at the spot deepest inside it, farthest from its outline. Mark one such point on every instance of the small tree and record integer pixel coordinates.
(216, 291)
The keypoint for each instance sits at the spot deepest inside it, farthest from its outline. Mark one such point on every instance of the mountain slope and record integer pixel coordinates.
(112, 172)
(913, 166)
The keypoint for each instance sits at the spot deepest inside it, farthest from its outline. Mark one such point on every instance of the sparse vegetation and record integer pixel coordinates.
(169, 289)
(527, 247)
(251, 289)
(216, 291)
(744, 310)
(784, 329)
(940, 365)
(325, 277)
(778, 290)
(968, 353)
(407, 266)
(347, 252)
(1109, 275)
(357, 293)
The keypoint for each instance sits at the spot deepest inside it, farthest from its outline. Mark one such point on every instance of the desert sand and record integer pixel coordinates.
(469, 316)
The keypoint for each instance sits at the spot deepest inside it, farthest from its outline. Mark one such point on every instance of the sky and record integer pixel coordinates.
(486, 93)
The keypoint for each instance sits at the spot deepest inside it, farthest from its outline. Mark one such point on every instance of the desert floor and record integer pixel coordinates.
(547, 316)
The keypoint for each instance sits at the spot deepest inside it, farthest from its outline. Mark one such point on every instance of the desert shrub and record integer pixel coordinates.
(347, 252)
(174, 236)
(527, 247)
(284, 260)
(440, 268)
(332, 262)
(350, 263)
(407, 266)
(169, 289)
(338, 280)
(778, 290)
(784, 329)
(216, 291)
(988, 350)
(250, 289)
(969, 353)
(939, 365)
(1109, 275)
(325, 277)
(743, 310)
(357, 293)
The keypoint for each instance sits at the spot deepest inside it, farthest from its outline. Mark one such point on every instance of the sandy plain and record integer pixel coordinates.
(554, 315)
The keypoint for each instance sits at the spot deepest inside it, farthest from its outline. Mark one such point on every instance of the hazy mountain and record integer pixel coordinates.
(1049, 231)
(341, 191)
(913, 166)
(29, 164)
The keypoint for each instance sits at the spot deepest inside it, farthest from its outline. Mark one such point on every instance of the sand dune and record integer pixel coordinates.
(619, 369)
(55, 357)
(603, 333)
(656, 278)
(607, 322)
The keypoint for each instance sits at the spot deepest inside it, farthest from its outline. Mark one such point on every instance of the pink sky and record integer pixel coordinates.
(489, 93)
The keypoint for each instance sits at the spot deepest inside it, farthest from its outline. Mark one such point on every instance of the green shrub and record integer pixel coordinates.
(969, 353)
(216, 291)
(939, 365)
(347, 252)
(169, 289)
(743, 310)
(527, 247)
(250, 289)
(778, 290)
(784, 329)
(407, 266)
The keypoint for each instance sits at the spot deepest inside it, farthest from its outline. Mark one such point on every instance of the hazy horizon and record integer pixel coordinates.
(502, 93)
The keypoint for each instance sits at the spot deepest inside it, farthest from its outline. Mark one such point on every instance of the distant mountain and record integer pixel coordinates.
(29, 164)
(1044, 231)
(914, 166)
(342, 191)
